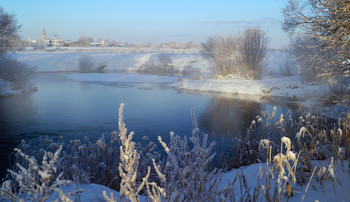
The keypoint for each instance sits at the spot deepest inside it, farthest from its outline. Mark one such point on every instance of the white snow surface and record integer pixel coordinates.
(114, 61)
(275, 86)
(93, 192)
(122, 78)
(314, 192)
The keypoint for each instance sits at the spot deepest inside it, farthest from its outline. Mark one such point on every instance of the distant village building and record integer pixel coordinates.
(32, 42)
(55, 41)
(43, 35)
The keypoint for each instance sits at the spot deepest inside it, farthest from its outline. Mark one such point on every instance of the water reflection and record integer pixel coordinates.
(227, 115)
(227, 118)
(16, 113)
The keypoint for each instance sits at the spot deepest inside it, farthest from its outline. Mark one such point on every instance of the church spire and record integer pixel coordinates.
(43, 35)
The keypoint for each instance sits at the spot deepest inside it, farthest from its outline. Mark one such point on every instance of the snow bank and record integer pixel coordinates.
(286, 86)
(93, 192)
(315, 191)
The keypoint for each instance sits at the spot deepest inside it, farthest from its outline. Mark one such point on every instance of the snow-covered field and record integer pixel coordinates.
(114, 61)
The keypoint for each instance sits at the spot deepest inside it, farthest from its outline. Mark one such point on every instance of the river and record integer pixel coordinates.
(73, 109)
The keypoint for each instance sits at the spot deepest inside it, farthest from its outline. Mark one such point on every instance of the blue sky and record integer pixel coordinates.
(142, 21)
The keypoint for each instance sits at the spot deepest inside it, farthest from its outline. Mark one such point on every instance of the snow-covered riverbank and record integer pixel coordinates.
(93, 192)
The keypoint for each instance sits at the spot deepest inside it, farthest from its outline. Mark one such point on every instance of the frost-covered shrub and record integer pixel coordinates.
(130, 187)
(35, 182)
(85, 64)
(161, 65)
(17, 73)
(337, 91)
(187, 172)
(243, 55)
(129, 163)
(222, 52)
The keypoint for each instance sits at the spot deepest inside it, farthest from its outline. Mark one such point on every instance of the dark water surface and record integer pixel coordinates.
(72, 109)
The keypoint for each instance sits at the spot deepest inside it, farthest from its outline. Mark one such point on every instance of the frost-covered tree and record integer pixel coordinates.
(326, 21)
(8, 31)
(14, 75)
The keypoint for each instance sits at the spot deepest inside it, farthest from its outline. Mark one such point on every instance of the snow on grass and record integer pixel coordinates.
(93, 192)
(314, 192)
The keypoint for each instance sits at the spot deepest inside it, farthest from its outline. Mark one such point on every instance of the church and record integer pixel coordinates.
(45, 41)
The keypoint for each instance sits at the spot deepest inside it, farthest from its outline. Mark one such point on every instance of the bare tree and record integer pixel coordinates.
(253, 50)
(306, 51)
(326, 21)
(8, 31)
(85, 41)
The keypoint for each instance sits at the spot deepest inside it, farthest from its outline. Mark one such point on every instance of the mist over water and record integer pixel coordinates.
(73, 109)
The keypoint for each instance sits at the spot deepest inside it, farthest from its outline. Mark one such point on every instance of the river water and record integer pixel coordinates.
(73, 109)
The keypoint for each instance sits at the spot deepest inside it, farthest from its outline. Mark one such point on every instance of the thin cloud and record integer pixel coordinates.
(259, 21)
(176, 35)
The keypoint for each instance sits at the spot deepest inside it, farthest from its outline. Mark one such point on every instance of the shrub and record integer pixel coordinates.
(17, 73)
(85, 64)
(187, 173)
(222, 53)
(337, 91)
(244, 55)
(33, 181)
(162, 65)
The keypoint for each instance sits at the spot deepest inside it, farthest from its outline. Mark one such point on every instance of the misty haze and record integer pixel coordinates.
(175, 101)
